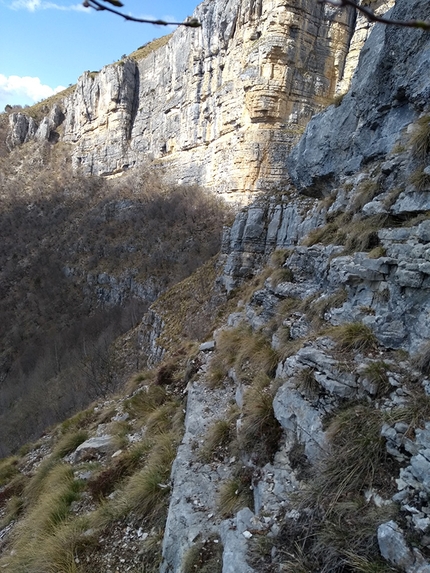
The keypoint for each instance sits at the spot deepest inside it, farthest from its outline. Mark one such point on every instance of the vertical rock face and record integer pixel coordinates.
(391, 76)
(219, 106)
(361, 32)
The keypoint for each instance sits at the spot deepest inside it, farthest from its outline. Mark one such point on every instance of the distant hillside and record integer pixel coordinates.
(81, 259)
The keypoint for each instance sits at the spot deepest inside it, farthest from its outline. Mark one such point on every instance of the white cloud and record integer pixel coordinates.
(33, 5)
(14, 88)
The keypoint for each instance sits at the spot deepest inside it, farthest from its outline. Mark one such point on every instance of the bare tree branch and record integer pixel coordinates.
(423, 25)
(96, 4)
(194, 23)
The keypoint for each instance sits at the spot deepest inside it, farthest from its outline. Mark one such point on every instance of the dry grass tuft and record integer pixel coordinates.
(249, 353)
(204, 557)
(150, 47)
(146, 401)
(279, 256)
(259, 431)
(282, 275)
(236, 493)
(420, 180)
(41, 109)
(8, 469)
(363, 564)
(54, 553)
(354, 336)
(377, 252)
(79, 421)
(420, 138)
(336, 527)
(376, 373)
(101, 484)
(69, 443)
(417, 410)
(358, 457)
(366, 191)
(307, 384)
(422, 359)
(45, 539)
(219, 436)
(357, 235)
(13, 509)
(316, 308)
(151, 551)
(145, 493)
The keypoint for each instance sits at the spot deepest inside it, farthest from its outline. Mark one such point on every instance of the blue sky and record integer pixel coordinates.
(46, 45)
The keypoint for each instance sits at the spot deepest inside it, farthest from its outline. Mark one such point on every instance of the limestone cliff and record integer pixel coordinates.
(353, 248)
(219, 106)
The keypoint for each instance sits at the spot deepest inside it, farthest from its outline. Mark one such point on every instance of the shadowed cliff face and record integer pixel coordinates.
(392, 78)
(219, 106)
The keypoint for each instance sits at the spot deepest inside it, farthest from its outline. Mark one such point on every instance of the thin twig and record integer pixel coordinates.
(423, 25)
(191, 23)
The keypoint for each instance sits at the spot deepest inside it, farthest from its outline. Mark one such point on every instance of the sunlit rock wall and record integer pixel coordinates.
(218, 106)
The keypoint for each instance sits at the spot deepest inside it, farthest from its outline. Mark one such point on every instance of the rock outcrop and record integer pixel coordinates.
(354, 243)
(220, 106)
(389, 91)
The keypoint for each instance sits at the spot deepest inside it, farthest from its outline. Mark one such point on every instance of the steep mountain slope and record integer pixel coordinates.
(306, 438)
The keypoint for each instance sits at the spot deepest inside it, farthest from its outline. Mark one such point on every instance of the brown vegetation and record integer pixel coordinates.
(81, 259)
